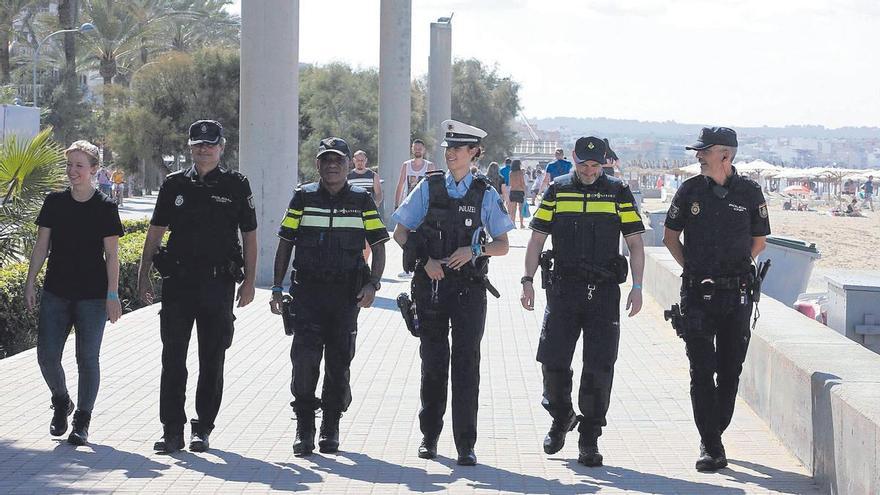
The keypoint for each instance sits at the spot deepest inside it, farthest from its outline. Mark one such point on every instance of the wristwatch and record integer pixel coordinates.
(376, 284)
(525, 279)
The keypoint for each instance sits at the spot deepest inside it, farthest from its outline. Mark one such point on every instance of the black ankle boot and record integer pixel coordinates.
(199, 438)
(80, 433)
(555, 439)
(328, 441)
(63, 407)
(304, 444)
(588, 451)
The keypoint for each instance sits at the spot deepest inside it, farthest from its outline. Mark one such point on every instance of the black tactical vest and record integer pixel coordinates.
(450, 223)
(586, 224)
(331, 236)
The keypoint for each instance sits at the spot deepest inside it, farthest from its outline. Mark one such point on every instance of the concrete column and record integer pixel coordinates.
(439, 85)
(395, 42)
(269, 116)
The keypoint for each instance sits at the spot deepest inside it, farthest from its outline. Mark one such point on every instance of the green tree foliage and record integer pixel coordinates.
(9, 11)
(482, 97)
(171, 93)
(28, 170)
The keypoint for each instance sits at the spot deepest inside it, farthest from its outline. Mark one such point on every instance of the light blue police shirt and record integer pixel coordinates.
(412, 211)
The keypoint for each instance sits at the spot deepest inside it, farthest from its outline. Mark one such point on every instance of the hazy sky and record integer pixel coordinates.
(730, 62)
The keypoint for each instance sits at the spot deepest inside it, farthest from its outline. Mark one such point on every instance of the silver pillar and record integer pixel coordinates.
(395, 40)
(269, 116)
(439, 85)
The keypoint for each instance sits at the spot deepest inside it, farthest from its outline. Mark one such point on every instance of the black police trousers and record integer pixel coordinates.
(716, 340)
(461, 305)
(325, 326)
(208, 303)
(573, 308)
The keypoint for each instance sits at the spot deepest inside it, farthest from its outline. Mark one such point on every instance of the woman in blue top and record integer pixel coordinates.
(79, 231)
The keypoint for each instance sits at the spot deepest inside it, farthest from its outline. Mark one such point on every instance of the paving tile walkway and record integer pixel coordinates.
(649, 446)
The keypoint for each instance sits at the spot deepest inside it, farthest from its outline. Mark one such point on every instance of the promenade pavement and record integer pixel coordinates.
(650, 444)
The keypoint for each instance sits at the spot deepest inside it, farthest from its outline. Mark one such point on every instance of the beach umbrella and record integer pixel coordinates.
(796, 190)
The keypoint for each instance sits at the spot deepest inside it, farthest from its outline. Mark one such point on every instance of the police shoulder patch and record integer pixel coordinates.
(501, 206)
(251, 201)
(674, 211)
(762, 211)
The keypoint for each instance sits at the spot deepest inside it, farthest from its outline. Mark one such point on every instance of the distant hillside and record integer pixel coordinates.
(635, 128)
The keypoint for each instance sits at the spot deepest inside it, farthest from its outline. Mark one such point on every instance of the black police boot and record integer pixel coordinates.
(170, 442)
(80, 433)
(63, 407)
(198, 440)
(588, 452)
(328, 440)
(712, 457)
(304, 443)
(428, 447)
(555, 439)
(466, 457)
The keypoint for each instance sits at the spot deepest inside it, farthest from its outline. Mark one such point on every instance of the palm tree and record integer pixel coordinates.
(9, 11)
(28, 170)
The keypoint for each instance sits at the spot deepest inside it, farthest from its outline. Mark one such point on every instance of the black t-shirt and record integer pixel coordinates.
(77, 269)
(719, 222)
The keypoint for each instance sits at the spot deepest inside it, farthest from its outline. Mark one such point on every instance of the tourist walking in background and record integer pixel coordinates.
(868, 188)
(517, 192)
(79, 230)
(118, 179)
(494, 176)
(724, 219)
(105, 185)
(361, 176)
(411, 173)
(556, 168)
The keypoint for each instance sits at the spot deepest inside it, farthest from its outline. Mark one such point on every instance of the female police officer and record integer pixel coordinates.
(724, 218)
(585, 211)
(449, 286)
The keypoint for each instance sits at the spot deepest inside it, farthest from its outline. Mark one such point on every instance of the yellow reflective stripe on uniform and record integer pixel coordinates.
(548, 204)
(290, 222)
(569, 195)
(626, 205)
(314, 221)
(601, 207)
(544, 214)
(373, 224)
(370, 212)
(294, 212)
(629, 217)
(348, 222)
(569, 207)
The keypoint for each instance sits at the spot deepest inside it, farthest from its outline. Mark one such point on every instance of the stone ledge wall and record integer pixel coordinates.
(818, 391)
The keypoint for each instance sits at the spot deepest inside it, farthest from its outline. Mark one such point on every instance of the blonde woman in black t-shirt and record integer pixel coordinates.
(79, 232)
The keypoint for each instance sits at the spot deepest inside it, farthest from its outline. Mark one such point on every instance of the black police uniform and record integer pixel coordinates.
(585, 223)
(203, 261)
(329, 232)
(460, 300)
(719, 222)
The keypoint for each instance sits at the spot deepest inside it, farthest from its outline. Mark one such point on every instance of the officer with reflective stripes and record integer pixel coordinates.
(585, 212)
(725, 223)
(449, 214)
(328, 222)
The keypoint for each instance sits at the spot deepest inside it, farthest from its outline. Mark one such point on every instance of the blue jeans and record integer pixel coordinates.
(57, 316)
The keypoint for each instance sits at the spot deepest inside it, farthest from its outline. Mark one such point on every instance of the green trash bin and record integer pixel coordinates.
(792, 263)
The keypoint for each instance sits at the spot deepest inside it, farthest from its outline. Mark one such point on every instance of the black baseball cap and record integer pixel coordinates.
(333, 145)
(205, 131)
(590, 148)
(710, 136)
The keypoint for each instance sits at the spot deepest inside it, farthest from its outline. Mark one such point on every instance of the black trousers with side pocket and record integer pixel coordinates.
(207, 303)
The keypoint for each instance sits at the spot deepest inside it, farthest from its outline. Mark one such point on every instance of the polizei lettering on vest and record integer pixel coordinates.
(467, 209)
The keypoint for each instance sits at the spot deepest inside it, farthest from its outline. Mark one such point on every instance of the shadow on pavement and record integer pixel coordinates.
(234, 467)
(57, 471)
(618, 478)
(771, 479)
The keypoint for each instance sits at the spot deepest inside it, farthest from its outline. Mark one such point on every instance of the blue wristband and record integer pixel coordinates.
(277, 288)
(113, 296)
(637, 286)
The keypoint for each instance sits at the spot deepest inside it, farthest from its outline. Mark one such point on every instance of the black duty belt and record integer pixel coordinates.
(717, 282)
(325, 276)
